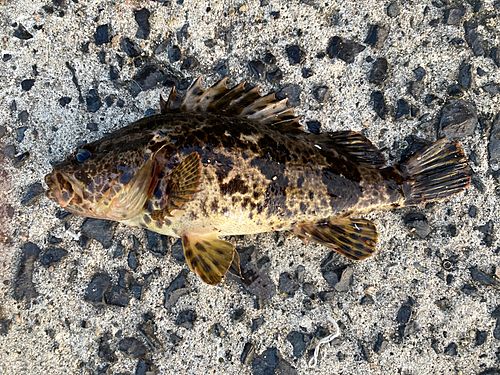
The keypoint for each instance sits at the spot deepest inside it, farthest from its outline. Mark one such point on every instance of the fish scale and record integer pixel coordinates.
(227, 161)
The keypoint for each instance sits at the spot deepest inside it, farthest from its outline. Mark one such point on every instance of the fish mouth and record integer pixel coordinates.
(61, 188)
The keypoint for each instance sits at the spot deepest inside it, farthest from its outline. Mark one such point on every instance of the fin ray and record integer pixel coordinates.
(354, 238)
(208, 256)
(241, 100)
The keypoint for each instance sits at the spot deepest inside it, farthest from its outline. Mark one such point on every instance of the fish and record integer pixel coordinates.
(226, 160)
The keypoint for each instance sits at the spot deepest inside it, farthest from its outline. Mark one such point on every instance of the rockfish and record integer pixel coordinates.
(227, 161)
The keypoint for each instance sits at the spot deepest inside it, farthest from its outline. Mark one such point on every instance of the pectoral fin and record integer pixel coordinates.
(208, 257)
(353, 238)
(183, 182)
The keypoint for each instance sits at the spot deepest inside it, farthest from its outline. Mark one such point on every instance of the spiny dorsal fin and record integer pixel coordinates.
(353, 238)
(240, 100)
(208, 256)
(355, 146)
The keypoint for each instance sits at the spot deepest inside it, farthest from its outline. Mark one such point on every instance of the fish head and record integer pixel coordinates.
(108, 179)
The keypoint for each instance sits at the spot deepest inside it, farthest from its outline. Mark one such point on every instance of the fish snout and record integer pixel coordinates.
(60, 189)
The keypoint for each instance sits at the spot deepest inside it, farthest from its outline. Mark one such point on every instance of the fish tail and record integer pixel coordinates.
(436, 172)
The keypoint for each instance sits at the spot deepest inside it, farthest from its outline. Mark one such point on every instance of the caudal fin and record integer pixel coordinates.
(437, 172)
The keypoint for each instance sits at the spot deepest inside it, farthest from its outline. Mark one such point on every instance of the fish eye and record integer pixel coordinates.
(82, 155)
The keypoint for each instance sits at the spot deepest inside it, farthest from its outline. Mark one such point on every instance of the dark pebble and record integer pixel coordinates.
(455, 90)
(320, 93)
(93, 101)
(238, 314)
(472, 211)
(291, 92)
(307, 72)
(156, 243)
(257, 68)
(294, 53)
(92, 126)
(393, 9)
(404, 313)
(402, 109)
(149, 76)
(474, 39)
(451, 349)
(174, 54)
(417, 223)
(117, 295)
(491, 370)
(114, 73)
(376, 36)
(132, 260)
(429, 98)
(221, 68)
(3, 131)
(132, 347)
(269, 58)
(53, 240)
(367, 300)
(468, 289)
(9, 151)
(178, 252)
(177, 288)
(458, 119)
(495, 56)
(419, 73)
(313, 126)
(247, 353)
(487, 231)
(145, 367)
(332, 273)
(101, 35)
(465, 75)
(186, 318)
(453, 15)
(288, 284)
(380, 343)
(142, 18)
(24, 288)
(5, 326)
(33, 193)
(482, 277)
(377, 102)
(21, 33)
(52, 255)
(99, 230)
(492, 88)
(98, 286)
(267, 363)
(274, 75)
(480, 337)
(496, 330)
(343, 49)
(64, 101)
(190, 62)
(257, 323)
(23, 116)
(494, 145)
(6, 57)
(104, 349)
(300, 341)
(27, 84)
(378, 72)
(130, 47)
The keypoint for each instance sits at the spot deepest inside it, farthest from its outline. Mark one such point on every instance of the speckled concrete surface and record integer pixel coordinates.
(421, 306)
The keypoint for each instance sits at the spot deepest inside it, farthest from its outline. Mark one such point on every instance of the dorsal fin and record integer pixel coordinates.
(241, 100)
(353, 145)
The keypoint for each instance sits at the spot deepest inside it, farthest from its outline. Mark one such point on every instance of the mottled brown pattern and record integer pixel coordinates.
(252, 174)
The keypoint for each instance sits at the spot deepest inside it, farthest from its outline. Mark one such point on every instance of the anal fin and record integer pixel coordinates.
(208, 256)
(354, 238)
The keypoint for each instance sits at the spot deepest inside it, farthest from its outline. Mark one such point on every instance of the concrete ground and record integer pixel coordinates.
(86, 297)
